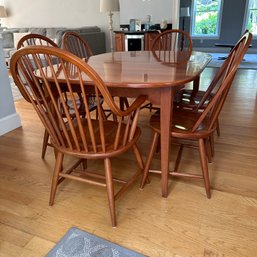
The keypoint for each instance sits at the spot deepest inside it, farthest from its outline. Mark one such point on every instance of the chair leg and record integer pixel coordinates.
(204, 165)
(84, 164)
(138, 157)
(124, 103)
(149, 158)
(208, 145)
(110, 190)
(218, 127)
(57, 170)
(45, 143)
(177, 162)
(211, 142)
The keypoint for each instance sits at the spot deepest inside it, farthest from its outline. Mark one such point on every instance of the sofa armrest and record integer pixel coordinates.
(96, 41)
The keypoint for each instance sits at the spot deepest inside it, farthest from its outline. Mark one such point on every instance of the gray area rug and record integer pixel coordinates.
(249, 62)
(15, 91)
(78, 243)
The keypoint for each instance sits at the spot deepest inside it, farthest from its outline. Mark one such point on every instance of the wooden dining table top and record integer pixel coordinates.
(141, 69)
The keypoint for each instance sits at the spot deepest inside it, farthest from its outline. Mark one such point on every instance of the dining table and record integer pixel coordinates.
(134, 73)
(155, 75)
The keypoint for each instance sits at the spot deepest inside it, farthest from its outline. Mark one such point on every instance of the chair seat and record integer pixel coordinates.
(183, 123)
(110, 129)
(189, 99)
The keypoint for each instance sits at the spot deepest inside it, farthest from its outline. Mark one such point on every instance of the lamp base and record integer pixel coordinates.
(110, 14)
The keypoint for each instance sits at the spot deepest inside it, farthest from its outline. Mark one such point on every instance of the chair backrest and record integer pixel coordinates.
(218, 78)
(223, 80)
(172, 46)
(74, 43)
(35, 39)
(43, 87)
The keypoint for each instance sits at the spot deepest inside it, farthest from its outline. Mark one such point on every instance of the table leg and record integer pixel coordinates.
(196, 83)
(166, 107)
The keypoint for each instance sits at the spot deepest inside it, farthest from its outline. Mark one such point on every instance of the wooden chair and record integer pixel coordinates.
(40, 40)
(195, 126)
(32, 40)
(173, 40)
(74, 43)
(80, 137)
(197, 99)
(171, 47)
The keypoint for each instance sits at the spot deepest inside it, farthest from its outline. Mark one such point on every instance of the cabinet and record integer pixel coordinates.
(119, 41)
(149, 37)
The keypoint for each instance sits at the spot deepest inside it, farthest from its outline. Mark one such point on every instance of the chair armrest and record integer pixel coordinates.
(137, 103)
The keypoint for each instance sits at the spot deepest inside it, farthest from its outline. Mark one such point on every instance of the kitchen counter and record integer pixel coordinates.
(141, 32)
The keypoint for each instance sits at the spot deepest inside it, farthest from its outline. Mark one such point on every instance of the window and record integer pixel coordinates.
(251, 16)
(206, 18)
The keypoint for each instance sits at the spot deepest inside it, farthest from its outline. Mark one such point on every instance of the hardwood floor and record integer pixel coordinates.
(186, 224)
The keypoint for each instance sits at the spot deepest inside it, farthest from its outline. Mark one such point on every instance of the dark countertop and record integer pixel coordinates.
(134, 32)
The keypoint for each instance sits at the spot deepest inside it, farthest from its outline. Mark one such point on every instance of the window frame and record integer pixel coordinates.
(193, 16)
(246, 18)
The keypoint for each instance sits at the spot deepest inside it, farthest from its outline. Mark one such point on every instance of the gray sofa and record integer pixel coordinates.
(92, 34)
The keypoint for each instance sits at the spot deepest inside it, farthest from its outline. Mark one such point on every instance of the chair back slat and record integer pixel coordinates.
(74, 43)
(223, 81)
(221, 74)
(54, 90)
(172, 46)
(35, 39)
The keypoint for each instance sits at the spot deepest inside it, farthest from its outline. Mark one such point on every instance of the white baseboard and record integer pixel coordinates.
(9, 123)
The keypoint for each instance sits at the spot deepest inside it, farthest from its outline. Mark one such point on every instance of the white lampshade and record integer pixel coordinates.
(185, 12)
(109, 6)
(2, 12)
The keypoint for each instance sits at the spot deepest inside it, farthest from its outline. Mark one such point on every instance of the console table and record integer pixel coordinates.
(148, 37)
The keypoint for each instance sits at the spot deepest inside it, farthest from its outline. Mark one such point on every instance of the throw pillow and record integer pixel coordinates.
(18, 36)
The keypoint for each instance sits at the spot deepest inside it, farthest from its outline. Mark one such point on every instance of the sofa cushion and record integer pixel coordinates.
(23, 30)
(51, 32)
(59, 35)
(40, 31)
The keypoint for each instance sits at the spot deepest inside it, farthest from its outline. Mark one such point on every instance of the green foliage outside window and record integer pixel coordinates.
(252, 21)
(206, 17)
(207, 26)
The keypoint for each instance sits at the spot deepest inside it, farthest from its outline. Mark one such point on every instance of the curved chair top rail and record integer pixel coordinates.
(74, 43)
(35, 39)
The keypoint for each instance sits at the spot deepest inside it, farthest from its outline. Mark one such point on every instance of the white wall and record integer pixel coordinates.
(9, 119)
(57, 13)
(138, 9)
(77, 13)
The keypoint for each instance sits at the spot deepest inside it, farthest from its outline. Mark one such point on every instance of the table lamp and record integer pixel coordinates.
(3, 13)
(110, 6)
